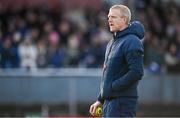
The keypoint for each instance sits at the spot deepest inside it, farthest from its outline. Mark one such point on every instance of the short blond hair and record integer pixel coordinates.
(124, 11)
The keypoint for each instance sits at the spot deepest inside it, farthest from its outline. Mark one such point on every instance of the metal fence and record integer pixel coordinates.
(76, 85)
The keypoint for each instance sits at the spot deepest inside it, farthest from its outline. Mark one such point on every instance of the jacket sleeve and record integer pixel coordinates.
(133, 52)
(100, 99)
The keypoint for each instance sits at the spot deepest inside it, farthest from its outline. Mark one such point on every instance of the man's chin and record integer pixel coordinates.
(112, 31)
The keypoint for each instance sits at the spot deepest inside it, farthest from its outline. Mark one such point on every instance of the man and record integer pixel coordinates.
(123, 65)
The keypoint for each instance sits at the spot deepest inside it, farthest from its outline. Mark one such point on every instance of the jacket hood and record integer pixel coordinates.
(135, 28)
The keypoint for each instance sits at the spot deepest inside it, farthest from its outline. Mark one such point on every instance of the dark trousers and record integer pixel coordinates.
(120, 107)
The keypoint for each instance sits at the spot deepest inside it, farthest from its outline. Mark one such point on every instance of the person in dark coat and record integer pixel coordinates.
(123, 66)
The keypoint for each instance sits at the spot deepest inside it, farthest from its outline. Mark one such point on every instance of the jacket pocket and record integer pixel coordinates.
(107, 88)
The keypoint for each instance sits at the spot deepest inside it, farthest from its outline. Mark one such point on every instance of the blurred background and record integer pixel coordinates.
(52, 51)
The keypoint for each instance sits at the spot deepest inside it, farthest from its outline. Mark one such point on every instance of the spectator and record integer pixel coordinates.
(55, 54)
(72, 50)
(28, 54)
(173, 64)
(9, 54)
(42, 53)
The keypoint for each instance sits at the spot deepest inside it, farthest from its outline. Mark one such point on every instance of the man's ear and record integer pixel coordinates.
(125, 19)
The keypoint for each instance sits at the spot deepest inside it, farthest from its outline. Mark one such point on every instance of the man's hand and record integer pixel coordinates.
(93, 108)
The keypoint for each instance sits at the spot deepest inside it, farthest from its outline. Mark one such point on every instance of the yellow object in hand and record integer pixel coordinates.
(98, 111)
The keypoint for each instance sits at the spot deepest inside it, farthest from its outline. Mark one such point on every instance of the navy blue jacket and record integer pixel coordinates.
(123, 65)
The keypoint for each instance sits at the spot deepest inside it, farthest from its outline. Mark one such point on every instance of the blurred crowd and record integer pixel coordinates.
(162, 38)
(41, 38)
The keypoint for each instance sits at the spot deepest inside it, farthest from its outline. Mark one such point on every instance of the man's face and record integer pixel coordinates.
(115, 20)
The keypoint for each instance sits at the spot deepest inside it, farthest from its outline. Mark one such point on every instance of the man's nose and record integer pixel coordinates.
(109, 20)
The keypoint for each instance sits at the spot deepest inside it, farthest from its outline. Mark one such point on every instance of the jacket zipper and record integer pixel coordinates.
(107, 57)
